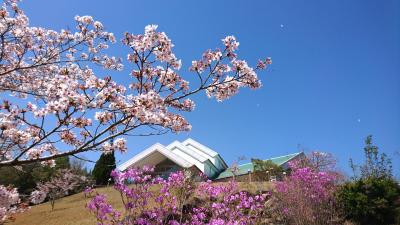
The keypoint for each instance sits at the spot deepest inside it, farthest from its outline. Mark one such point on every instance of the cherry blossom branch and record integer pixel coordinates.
(55, 99)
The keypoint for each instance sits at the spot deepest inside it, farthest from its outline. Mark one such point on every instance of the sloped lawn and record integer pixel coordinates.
(71, 210)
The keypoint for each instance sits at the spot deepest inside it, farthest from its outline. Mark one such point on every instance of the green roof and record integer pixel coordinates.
(245, 168)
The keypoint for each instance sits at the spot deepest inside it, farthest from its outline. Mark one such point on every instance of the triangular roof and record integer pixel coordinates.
(185, 149)
(152, 149)
(209, 153)
(194, 157)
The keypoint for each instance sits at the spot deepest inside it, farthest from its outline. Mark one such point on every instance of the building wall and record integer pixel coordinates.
(240, 178)
(251, 177)
(166, 167)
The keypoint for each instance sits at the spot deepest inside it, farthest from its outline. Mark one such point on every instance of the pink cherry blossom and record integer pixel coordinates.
(9, 203)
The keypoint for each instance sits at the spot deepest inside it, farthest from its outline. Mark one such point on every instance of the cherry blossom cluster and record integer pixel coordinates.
(9, 203)
(176, 200)
(118, 144)
(45, 76)
(225, 72)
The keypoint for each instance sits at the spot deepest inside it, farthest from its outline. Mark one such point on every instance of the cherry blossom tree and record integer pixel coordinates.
(59, 186)
(53, 104)
(317, 160)
(322, 161)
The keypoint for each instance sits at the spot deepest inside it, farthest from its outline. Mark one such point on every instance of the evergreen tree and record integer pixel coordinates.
(103, 168)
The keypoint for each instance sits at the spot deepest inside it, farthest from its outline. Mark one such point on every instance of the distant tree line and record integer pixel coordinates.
(26, 177)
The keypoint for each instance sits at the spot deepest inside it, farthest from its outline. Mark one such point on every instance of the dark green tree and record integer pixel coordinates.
(372, 196)
(103, 167)
(371, 201)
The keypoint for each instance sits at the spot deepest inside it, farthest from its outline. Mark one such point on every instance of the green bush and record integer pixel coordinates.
(371, 201)
(373, 195)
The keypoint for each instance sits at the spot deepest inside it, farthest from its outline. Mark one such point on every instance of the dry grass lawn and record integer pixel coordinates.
(71, 210)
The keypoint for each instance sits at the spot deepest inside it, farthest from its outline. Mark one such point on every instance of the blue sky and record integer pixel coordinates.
(335, 76)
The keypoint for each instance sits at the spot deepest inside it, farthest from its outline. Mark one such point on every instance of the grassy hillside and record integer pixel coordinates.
(67, 211)
(71, 210)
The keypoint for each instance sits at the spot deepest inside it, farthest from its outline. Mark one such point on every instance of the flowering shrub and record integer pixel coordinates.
(176, 200)
(225, 205)
(306, 197)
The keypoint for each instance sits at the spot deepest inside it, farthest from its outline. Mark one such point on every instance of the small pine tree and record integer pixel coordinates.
(103, 167)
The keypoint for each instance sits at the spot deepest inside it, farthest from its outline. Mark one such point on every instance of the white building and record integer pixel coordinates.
(194, 156)
(179, 155)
